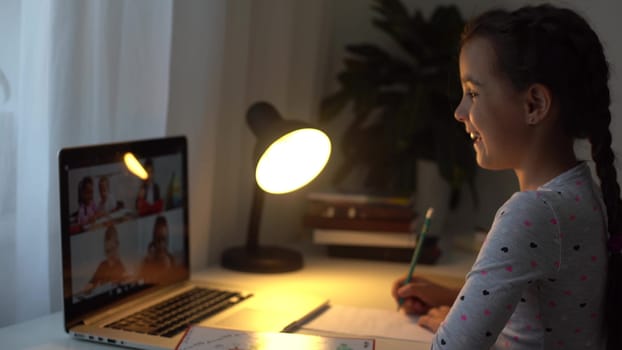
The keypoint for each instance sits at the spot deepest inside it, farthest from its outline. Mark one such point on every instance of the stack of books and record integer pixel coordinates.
(361, 226)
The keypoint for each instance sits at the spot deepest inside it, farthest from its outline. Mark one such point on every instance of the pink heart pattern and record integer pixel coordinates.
(528, 252)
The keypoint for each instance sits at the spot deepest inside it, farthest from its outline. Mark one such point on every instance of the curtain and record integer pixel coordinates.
(88, 72)
(9, 45)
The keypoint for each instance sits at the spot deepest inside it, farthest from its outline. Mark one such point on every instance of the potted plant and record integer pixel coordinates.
(403, 102)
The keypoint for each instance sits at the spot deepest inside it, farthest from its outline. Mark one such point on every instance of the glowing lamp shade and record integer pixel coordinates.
(288, 155)
(293, 161)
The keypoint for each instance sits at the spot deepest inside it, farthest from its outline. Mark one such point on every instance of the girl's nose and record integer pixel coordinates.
(460, 113)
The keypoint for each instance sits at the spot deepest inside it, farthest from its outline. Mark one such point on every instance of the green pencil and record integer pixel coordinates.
(417, 251)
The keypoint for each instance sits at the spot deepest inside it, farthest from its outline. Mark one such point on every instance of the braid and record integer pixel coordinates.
(596, 77)
(603, 158)
(589, 116)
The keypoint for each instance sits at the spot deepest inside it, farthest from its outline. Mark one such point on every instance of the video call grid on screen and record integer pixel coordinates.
(134, 227)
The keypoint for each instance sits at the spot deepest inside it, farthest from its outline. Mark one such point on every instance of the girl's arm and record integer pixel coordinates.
(516, 254)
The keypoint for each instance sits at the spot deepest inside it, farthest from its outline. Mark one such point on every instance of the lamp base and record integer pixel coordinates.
(263, 259)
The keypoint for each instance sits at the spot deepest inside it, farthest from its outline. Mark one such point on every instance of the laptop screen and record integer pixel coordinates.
(122, 234)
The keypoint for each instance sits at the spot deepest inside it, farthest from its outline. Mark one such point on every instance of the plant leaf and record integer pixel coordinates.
(332, 105)
(402, 102)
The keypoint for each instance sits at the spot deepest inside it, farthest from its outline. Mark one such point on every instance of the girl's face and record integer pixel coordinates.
(491, 109)
(103, 189)
(87, 192)
(161, 239)
(111, 248)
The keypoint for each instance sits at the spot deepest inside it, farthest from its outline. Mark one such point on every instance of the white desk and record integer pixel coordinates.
(342, 281)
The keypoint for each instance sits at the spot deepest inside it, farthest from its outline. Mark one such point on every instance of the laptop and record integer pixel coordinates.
(125, 252)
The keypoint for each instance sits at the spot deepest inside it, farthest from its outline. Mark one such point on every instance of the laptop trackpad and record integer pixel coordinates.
(256, 320)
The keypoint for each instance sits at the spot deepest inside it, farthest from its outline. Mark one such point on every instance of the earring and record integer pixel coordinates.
(532, 121)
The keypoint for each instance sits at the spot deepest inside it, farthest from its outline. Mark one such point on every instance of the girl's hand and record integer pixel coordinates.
(420, 295)
(433, 319)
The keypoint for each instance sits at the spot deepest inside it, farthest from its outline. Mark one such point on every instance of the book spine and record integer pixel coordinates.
(358, 198)
(360, 224)
(371, 253)
(429, 256)
(359, 211)
(364, 238)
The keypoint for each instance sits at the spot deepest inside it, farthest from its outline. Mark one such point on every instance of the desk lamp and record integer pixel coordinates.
(288, 155)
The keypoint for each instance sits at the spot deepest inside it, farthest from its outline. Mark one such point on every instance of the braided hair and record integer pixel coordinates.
(558, 48)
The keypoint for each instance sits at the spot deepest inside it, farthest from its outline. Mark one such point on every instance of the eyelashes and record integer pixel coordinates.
(471, 94)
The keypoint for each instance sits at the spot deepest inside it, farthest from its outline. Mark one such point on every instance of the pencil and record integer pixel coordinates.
(417, 251)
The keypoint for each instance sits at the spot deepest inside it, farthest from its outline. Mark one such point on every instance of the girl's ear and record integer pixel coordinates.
(538, 101)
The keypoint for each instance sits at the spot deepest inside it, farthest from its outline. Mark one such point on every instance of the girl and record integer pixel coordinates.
(87, 211)
(111, 270)
(107, 202)
(534, 80)
(158, 262)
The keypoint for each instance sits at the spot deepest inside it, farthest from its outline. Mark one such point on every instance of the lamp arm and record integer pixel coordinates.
(252, 237)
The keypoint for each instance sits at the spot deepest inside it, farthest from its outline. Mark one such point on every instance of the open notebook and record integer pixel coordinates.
(126, 277)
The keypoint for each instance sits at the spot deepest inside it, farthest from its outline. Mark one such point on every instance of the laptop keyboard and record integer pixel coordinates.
(170, 317)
